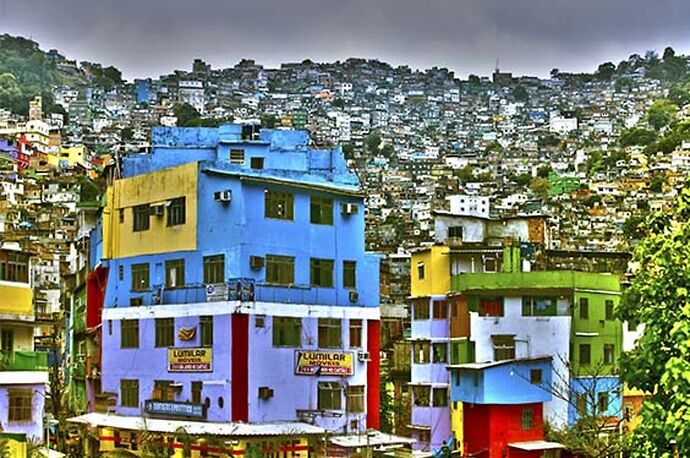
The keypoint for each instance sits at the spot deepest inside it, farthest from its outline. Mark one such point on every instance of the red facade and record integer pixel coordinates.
(240, 367)
(95, 293)
(489, 428)
(373, 373)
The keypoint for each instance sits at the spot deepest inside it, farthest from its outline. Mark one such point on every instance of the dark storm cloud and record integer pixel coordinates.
(149, 37)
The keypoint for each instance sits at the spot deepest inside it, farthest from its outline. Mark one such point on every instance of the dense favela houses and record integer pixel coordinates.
(506, 335)
(239, 300)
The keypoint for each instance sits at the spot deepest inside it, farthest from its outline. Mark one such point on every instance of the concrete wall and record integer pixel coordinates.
(33, 428)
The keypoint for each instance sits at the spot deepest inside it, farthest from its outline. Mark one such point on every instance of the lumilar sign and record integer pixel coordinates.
(323, 363)
(196, 359)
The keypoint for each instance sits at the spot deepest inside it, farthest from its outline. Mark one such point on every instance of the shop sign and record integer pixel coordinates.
(197, 359)
(323, 363)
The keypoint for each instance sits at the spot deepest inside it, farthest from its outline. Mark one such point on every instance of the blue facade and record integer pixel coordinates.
(505, 382)
(592, 390)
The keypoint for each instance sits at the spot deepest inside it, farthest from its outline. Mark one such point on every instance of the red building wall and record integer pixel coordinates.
(488, 429)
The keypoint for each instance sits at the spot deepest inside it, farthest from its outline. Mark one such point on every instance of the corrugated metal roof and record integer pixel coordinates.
(198, 428)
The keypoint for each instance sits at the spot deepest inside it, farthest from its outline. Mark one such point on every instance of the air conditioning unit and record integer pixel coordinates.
(158, 210)
(349, 209)
(354, 296)
(223, 196)
(363, 356)
(265, 392)
(136, 301)
(256, 262)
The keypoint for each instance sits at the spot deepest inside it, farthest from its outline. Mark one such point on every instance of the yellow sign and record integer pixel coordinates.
(190, 359)
(323, 363)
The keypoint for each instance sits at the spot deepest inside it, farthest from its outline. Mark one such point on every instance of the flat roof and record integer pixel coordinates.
(23, 377)
(536, 445)
(198, 428)
(488, 364)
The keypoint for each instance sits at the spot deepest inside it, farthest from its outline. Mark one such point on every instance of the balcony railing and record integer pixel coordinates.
(236, 289)
(24, 361)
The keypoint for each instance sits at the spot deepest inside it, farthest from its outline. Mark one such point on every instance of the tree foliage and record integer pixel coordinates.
(660, 363)
(661, 113)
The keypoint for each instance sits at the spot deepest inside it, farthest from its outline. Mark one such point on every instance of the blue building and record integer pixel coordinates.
(238, 282)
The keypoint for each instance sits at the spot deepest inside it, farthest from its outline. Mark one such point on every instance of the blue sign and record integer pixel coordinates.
(175, 409)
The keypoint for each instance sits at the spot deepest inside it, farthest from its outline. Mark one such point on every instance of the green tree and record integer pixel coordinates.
(465, 173)
(269, 121)
(540, 186)
(544, 171)
(473, 79)
(637, 136)
(521, 180)
(605, 71)
(660, 362)
(186, 114)
(520, 93)
(661, 113)
(373, 141)
(348, 150)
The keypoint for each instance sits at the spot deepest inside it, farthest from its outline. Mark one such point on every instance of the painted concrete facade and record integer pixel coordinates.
(199, 164)
(33, 383)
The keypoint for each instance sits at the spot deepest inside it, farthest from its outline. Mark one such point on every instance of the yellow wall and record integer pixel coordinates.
(16, 445)
(119, 239)
(456, 423)
(436, 280)
(74, 154)
(15, 299)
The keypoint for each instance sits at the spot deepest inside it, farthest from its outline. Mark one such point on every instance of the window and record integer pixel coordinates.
(504, 347)
(177, 211)
(165, 332)
(279, 205)
(129, 393)
(424, 436)
(163, 390)
(421, 310)
(321, 272)
(206, 330)
(439, 352)
(491, 307)
(355, 333)
(539, 306)
(603, 402)
(490, 264)
(581, 403)
(196, 392)
(121, 215)
(14, 267)
(440, 310)
(421, 395)
(584, 308)
(535, 376)
(20, 401)
(236, 156)
(355, 399)
(455, 232)
(609, 309)
(420, 270)
(174, 273)
(287, 332)
(141, 218)
(129, 334)
(280, 270)
(330, 332)
(527, 419)
(321, 210)
(585, 354)
(140, 277)
(329, 396)
(420, 352)
(257, 163)
(349, 274)
(439, 397)
(214, 269)
(608, 353)
(7, 340)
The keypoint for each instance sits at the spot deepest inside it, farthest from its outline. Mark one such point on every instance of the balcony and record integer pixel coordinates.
(24, 361)
(238, 289)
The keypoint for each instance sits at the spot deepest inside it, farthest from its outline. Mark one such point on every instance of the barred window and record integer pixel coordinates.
(421, 395)
(321, 210)
(439, 397)
(140, 277)
(140, 220)
(174, 273)
(20, 405)
(206, 329)
(355, 399)
(609, 309)
(585, 354)
(129, 334)
(177, 211)
(129, 393)
(214, 269)
(321, 272)
(279, 205)
(287, 331)
(355, 333)
(165, 332)
(527, 419)
(330, 333)
(420, 351)
(349, 274)
(280, 270)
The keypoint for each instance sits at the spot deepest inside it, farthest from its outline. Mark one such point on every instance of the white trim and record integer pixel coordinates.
(15, 284)
(598, 291)
(245, 308)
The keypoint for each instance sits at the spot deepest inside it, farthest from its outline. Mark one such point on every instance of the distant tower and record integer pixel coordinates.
(36, 109)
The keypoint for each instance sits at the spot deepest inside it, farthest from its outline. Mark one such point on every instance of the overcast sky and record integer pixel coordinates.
(153, 37)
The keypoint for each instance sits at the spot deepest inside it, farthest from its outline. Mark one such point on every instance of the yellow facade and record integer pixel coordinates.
(434, 264)
(456, 423)
(119, 238)
(15, 299)
(16, 445)
(74, 154)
